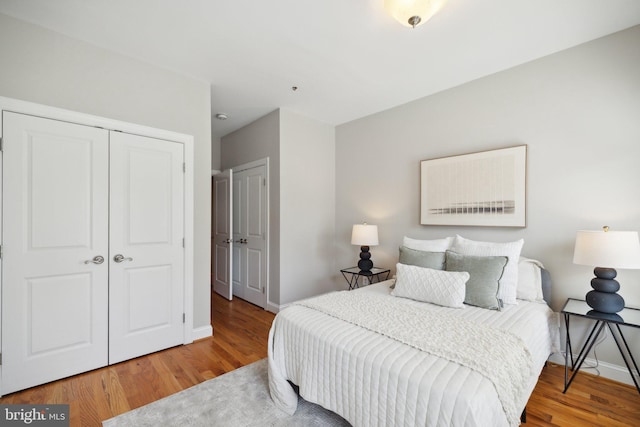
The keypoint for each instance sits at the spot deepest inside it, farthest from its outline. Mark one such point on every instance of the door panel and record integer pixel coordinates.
(250, 265)
(146, 259)
(55, 221)
(223, 222)
(239, 259)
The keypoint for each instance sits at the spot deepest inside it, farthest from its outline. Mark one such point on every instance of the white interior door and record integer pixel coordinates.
(146, 258)
(250, 235)
(222, 225)
(55, 229)
(239, 260)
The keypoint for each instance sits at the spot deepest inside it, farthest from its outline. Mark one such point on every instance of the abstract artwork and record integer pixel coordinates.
(487, 188)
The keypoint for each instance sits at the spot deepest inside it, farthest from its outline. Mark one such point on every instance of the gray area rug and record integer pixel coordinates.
(235, 399)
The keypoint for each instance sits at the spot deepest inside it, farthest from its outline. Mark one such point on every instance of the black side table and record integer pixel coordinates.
(353, 274)
(627, 317)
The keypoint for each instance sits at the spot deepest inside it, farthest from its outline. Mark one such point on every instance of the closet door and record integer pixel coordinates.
(55, 248)
(249, 235)
(222, 226)
(146, 259)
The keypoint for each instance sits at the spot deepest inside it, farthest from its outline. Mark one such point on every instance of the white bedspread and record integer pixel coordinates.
(372, 380)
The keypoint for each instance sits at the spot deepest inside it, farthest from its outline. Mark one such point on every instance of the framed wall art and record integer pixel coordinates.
(487, 188)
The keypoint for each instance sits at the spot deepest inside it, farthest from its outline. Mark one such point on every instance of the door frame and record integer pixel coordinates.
(29, 108)
(250, 165)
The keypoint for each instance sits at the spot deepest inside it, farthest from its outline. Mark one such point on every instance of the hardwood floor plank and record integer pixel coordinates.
(240, 337)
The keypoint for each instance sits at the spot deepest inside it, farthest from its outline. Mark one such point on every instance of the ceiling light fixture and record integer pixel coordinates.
(221, 116)
(412, 13)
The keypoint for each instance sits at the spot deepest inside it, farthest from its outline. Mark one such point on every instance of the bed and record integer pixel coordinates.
(379, 359)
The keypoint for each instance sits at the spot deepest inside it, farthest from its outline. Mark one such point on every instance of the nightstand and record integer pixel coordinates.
(626, 317)
(353, 274)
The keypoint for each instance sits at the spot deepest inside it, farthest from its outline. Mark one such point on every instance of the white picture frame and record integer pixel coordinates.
(486, 188)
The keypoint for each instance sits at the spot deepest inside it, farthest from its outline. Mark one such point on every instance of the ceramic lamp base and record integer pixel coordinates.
(365, 264)
(603, 297)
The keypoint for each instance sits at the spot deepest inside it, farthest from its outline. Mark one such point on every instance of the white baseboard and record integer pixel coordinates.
(202, 332)
(273, 308)
(607, 370)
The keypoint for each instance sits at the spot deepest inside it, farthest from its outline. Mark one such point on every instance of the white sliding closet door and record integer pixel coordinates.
(55, 248)
(146, 298)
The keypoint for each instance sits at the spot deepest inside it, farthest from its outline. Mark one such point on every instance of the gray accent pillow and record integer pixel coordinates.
(485, 272)
(434, 260)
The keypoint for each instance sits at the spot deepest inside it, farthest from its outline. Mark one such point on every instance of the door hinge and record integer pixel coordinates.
(183, 242)
(0, 358)
(264, 182)
(184, 167)
(184, 318)
(1, 147)
(264, 290)
(0, 251)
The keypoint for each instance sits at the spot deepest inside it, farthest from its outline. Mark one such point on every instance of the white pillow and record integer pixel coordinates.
(529, 280)
(509, 280)
(446, 288)
(438, 245)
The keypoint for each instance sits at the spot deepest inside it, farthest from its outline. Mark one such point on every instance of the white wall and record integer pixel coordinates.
(45, 67)
(307, 207)
(579, 113)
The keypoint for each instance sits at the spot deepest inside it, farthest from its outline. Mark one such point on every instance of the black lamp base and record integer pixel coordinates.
(603, 297)
(365, 264)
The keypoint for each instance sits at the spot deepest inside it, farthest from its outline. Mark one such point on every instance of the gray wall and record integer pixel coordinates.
(302, 199)
(307, 207)
(579, 113)
(45, 67)
(259, 140)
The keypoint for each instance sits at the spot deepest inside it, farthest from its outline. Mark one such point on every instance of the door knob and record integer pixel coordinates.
(98, 259)
(226, 241)
(120, 258)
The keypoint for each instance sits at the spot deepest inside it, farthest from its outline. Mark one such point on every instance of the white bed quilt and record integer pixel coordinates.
(373, 380)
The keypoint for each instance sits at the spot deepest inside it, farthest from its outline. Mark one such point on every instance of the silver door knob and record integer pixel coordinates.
(121, 258)
(98, 259)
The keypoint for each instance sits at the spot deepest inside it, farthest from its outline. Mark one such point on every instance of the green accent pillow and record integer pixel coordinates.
(484, 282)
(434, 260)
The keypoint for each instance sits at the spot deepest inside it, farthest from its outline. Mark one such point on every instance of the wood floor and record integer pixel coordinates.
(240, 337)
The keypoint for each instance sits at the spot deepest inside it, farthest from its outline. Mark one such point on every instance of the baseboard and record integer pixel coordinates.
(273, 308)
(202, 332)
(607, 370)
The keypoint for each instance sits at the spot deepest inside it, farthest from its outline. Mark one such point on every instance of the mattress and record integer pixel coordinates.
(373, 380)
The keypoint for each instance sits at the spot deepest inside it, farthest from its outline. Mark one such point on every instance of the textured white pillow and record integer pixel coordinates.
(529, 280)
(446, 288)
(437, 245)
(509, 280)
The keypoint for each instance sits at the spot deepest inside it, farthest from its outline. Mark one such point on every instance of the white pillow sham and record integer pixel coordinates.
(529, 280)
(445, 288)
(437, 245)
(509, 279)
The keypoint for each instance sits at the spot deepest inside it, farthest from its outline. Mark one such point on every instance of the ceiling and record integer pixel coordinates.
(347, 58)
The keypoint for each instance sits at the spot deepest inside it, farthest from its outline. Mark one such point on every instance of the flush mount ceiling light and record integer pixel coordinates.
(221, 116)
(412, 13)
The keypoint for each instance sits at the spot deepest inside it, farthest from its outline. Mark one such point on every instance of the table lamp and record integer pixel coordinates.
(606, 250)
(364, 235)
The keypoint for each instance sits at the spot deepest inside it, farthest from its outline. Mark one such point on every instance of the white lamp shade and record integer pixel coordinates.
(607, 249)
(402, 10)
(364, 235)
